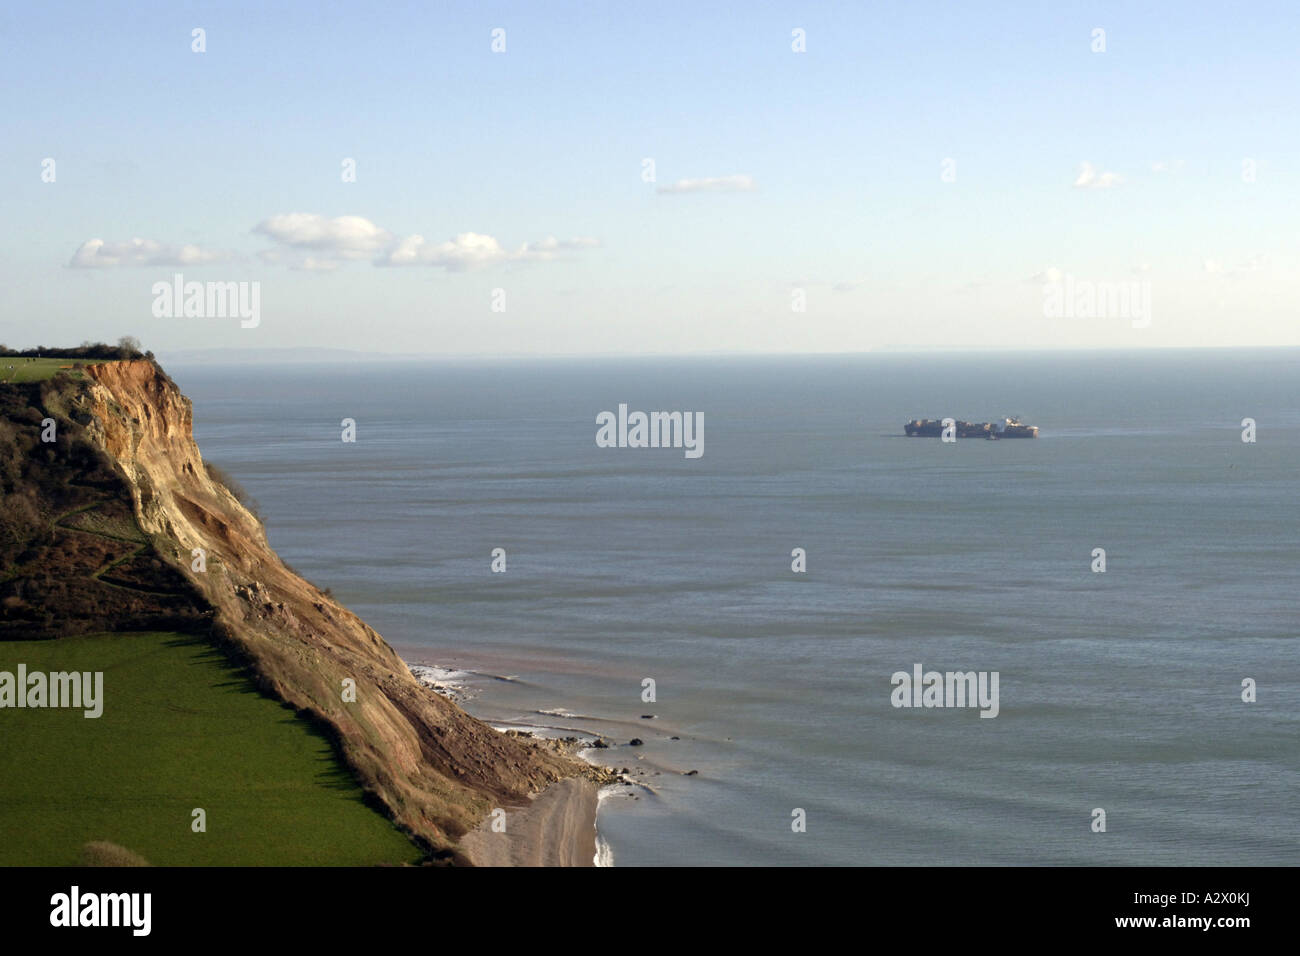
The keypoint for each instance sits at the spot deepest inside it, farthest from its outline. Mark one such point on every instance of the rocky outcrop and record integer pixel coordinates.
(437, 770)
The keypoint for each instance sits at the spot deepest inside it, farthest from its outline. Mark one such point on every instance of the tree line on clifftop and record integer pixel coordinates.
(127, 347)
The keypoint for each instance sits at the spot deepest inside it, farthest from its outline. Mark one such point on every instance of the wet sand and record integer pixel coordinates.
(558, 828)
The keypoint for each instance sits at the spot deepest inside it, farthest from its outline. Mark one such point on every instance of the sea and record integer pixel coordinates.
(744, 613)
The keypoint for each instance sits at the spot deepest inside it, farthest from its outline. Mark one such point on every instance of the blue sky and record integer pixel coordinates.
(839, 151)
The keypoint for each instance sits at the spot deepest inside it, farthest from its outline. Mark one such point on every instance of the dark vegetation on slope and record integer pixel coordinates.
(72, 558)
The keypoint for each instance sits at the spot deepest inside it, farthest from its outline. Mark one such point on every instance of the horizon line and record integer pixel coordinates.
(179, 354)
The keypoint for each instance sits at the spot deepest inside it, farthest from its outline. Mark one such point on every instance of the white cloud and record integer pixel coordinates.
(467, 251)
(1250, 266)
(1255, 263)
(715, 184)
(344, 237)
(472, 250)
(1089, 178)
(548, 247)
(315, 243)
(1050, 274)
(98, 254)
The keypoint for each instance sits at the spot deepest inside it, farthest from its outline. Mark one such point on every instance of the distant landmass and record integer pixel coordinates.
(280, 356)
(284, 356)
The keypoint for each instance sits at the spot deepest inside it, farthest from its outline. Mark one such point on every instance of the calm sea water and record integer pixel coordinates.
(1119, 691)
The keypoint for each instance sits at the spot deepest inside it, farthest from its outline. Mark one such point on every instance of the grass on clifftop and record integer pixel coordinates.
(16, 371)
(181, 728)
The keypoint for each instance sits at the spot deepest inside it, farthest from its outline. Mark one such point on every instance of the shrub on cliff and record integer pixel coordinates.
(222, 477)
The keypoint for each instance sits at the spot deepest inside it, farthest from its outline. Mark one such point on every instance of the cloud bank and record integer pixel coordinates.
(316, 243)
(126, 253)
(1089, 178)
(715, 184)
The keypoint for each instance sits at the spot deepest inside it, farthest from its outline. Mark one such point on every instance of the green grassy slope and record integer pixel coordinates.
(39, 369)
(181, 728)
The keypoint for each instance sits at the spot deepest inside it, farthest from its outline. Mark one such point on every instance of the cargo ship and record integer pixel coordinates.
(1007, 428)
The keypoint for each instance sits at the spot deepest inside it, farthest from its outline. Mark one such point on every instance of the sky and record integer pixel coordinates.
(649, 179)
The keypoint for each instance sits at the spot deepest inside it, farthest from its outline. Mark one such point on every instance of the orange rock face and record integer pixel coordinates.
(437, 770)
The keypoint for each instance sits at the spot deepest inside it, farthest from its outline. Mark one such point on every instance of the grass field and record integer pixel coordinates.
(181, 728)
(18, 370)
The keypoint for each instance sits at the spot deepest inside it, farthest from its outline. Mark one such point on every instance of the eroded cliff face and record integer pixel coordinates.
(438, 770)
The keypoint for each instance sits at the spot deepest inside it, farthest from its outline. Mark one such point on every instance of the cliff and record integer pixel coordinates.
(437, 770)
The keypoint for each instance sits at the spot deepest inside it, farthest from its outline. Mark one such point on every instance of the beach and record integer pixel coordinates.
(558, 828)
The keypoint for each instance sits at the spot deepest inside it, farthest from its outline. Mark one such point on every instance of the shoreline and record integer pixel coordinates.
(558, 828)
(517, 706)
